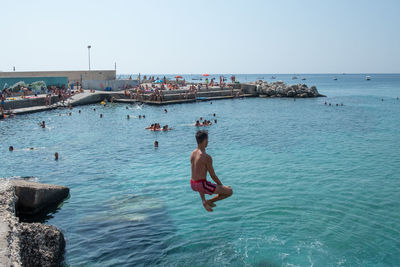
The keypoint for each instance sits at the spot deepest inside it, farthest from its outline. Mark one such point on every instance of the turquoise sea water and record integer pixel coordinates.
(314, 185)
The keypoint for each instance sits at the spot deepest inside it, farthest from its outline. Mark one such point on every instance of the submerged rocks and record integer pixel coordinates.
(280, 89)
(29, 244)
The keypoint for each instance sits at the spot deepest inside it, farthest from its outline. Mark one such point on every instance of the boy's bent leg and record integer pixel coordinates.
(222, 192)
(207, 205)
(204, 200)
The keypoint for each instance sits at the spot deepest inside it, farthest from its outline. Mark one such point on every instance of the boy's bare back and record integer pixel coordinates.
(199, 162)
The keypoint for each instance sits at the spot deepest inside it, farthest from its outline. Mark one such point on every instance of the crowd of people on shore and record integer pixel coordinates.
(153, 88)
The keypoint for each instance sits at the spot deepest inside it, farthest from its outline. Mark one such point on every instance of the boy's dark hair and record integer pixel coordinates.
(201, 136)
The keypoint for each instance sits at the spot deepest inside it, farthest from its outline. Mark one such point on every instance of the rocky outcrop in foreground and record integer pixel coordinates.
(29, 244)
(280, 89)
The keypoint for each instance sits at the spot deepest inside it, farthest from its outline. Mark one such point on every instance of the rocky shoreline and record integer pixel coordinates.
(280, 89)
(29, 244)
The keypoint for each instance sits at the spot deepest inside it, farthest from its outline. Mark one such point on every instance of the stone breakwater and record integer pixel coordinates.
(280, 89)
(29, 244)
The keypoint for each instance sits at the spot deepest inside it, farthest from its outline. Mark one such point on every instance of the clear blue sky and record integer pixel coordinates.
(213, 36)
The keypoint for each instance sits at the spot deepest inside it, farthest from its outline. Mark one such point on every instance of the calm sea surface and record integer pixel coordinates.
(314, 185)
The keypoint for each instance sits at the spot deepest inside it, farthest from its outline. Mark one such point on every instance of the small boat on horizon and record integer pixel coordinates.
(335, 79)
(303, 79)
(368, 78)
(294, 78)
(273, 77)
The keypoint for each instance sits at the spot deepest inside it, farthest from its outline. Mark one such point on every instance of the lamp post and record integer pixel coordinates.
(89, 46)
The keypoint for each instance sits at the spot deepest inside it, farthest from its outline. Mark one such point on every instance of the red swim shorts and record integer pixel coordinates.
(203, 186)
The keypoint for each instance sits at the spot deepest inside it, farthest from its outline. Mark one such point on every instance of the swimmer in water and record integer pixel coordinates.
(197, 124)
(201, 163)
(140, 116)
(214, 115)
(101, 115)
(11, 148)
(94, 109)
(56, 156)
(79, 111)
(215, 121)
(165, 110)
(144, 116)
(155, 143)
(42, 124)
(150, 127)
(128, 117)
(166, 128)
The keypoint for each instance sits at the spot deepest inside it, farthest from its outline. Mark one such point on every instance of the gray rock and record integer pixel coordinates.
(280, 89)
(41, 245)
(9, 227)
(36, 197)
(28, 244)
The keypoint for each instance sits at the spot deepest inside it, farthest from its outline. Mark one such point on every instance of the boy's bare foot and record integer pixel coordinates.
(210, 203)
(207, 206)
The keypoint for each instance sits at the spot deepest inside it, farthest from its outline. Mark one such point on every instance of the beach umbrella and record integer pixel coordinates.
(178, 77)
(206, 75)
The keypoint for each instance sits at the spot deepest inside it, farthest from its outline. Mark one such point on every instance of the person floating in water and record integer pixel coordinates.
(42, 124)
(201, 163)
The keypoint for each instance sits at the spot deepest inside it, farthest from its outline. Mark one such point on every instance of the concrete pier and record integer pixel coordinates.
(29, 244)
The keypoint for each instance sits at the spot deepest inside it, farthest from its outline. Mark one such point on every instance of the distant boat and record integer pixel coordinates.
(335, 79)
(303, 79)
(273, 77)
(368, 78)
(294, 78)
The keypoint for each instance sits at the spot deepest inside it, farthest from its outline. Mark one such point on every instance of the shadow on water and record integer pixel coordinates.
(42, 216)
(128, 231)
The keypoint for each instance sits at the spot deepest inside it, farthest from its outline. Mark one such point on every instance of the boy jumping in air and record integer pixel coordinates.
(201, 163)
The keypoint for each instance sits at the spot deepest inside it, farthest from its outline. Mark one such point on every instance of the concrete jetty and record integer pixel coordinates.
(255, 89)
(29, 244)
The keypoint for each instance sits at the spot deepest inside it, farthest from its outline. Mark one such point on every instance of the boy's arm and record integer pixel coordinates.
(211, 171)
